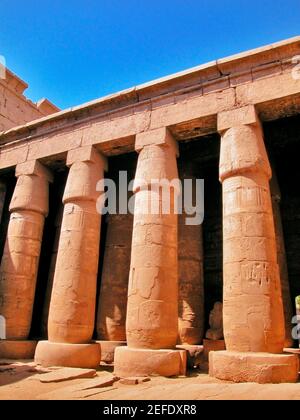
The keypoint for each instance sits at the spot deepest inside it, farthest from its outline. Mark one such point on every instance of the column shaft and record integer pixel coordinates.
(252, 308)
(153, 285)
(72, 308)
(152, 309)
(253, 312)
(19, 267)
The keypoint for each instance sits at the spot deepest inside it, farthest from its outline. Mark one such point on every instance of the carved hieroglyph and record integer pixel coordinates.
(253, 311)
(19, 266)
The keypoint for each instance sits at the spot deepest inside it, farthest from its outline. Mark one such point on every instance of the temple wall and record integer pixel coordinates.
(15, 108)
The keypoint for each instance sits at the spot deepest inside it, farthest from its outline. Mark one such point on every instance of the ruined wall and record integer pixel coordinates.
(15, 108)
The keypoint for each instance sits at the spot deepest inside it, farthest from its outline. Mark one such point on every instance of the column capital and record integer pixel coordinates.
(242, 145)
(246, 115)
(34, 167)
(86, 154)
(159, 137)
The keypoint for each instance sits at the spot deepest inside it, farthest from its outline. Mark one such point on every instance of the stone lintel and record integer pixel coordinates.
(86, 154)
(34, 167)
(240, 116)
(159, 137)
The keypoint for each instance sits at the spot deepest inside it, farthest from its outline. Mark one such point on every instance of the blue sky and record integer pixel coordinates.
(75, 51)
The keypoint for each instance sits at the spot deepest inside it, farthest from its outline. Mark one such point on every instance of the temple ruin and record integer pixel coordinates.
(78, 287)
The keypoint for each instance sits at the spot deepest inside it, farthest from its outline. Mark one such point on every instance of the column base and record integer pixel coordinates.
(108, 350)
(17, 350)
(146, 362)
(86, 356)
(262, 368)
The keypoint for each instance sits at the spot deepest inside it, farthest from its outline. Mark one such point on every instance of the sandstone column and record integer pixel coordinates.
(253, 310)
(191, 281)
(19, 267)
(281, 258)
(73, 299)
(152, 309)
(112, 305)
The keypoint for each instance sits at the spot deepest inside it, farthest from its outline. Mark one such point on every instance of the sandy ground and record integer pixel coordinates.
(22, 382)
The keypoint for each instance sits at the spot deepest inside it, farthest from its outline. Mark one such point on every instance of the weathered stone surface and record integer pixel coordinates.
(262, 368)
(146, 362)
(100, 382)
(134, 381)
(66, 374)
(70, 355)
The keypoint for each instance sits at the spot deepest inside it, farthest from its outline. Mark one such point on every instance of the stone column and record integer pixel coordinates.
(73, 299)
(19, 266)
(281, 258)
(191, 280)
(253, 310)
(112, 305)
(152, 309)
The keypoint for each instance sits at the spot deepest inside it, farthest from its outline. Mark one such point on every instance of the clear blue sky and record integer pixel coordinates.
(76, 51)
